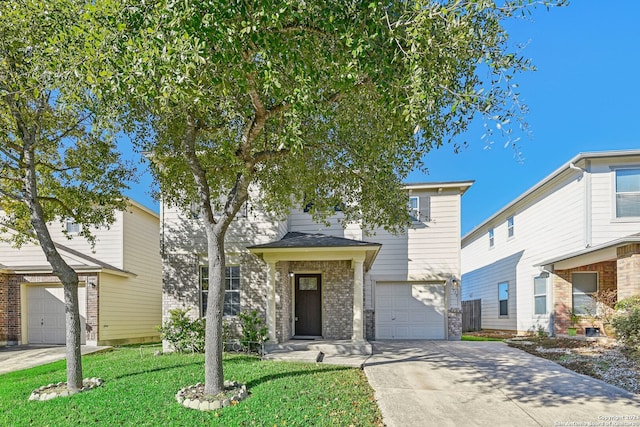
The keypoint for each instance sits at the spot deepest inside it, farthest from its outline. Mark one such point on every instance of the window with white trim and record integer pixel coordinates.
(492, 241)
(414, 208)
(584, 287)
(627, 193)
(540, 295)
(231, 290)
(510, 228)
(503, 298)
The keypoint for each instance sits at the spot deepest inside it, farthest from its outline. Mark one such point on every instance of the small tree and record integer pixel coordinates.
(56, 160)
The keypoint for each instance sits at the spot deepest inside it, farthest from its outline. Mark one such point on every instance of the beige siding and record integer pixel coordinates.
(108, 247)
(127, 312)
(429, 250)
(302, 222)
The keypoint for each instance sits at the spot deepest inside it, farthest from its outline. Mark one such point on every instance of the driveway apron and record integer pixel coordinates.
(445, 383)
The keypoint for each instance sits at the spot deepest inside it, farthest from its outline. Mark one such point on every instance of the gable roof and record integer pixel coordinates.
(570, 165)
(75, 259)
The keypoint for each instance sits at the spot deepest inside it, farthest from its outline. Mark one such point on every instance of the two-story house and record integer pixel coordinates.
(120, 289)
(545, 254)
(328, 282)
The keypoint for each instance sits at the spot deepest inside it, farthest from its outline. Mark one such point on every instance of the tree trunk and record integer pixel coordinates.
(61, 269)
(213, 372)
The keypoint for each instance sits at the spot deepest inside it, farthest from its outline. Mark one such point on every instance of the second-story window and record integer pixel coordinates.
(627, 193)
(72, 227)
(492, 240)
(414, 208)
(510, 229)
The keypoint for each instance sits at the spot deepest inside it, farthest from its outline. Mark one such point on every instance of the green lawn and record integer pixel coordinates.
(141, 391)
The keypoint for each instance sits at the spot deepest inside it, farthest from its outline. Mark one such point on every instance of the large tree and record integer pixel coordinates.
(56, 161)
(330, 102)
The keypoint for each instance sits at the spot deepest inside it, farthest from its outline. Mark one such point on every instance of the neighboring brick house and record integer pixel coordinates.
(313, 281)
(120, 289)
(547, 253)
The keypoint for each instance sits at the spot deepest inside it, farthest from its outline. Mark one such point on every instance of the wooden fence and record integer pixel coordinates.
(471, 315)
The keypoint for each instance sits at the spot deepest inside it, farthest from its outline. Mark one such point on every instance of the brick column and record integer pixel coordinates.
(628, 270)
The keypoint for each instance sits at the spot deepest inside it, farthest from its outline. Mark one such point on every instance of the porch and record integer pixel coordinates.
(315, 287)
(333, 352)
(598, 275)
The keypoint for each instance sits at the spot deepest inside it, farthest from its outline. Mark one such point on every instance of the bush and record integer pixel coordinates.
(254, 333)
(626, 321)
(183, 333)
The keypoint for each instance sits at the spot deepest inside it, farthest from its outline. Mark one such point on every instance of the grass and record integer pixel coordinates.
(141, 391)
(478, 338)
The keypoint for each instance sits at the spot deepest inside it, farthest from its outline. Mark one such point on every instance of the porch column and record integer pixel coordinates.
(358, 299)
(271, 301)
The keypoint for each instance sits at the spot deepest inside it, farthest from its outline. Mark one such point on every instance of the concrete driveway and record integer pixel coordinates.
(441, 383)
(15, 358)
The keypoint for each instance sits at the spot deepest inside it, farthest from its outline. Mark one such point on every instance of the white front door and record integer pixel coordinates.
(410, 311)
(45, 313)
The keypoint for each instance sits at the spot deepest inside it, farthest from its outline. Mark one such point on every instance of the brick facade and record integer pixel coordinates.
(563, 291)
(628, 265)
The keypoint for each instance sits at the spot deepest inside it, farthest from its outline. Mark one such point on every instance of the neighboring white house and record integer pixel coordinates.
(546, 253)
(120, 284)
(310, 280)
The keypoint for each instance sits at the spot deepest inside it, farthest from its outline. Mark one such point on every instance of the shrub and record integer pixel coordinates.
(183, 333)
(254, 333)
(626, 321)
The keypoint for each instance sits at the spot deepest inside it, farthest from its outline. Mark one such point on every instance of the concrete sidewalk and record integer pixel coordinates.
(16, 358)
(488, 384)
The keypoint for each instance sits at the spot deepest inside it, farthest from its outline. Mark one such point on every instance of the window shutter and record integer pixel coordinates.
(425, 208)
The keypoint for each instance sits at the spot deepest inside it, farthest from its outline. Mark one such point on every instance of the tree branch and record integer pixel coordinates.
(199, 174)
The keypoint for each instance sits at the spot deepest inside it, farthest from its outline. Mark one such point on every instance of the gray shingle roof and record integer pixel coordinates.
(307, 240)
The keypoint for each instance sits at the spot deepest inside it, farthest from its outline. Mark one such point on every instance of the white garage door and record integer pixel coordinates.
(410, 311)
(45, 311)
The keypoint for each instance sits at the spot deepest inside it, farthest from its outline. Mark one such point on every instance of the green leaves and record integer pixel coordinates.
(302, 97)
(49, 120)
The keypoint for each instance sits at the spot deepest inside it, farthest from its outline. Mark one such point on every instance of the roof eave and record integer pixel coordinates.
(614, 243)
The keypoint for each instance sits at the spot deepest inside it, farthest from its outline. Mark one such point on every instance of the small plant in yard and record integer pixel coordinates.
(254, 332)
(183, 333)
(626, 322)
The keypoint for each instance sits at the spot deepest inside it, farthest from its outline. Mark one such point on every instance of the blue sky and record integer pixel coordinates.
(584, 96)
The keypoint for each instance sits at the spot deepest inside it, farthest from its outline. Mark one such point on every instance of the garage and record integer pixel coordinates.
(410, 311)
(45, 314)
